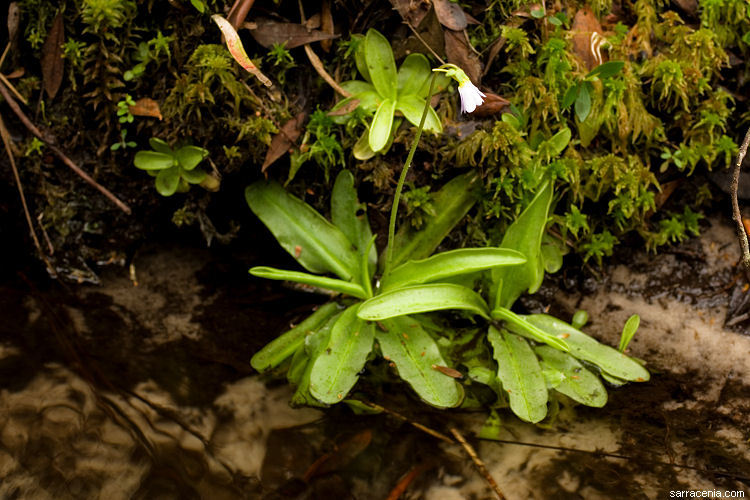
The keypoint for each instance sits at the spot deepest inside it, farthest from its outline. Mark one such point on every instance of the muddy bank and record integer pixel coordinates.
(141, 387)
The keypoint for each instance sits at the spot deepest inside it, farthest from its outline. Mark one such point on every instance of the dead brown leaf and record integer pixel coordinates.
(17, 73)
(345, 109)
(413, 11)
(492, 105)
(53, 64)
(269, 32)
(282, 141)
(458, 52)
(326, 24)
(14, 17)
(584, 24)
(450, 14)
(146, 107)
(342, 455)
(446, 370)
(430, 31)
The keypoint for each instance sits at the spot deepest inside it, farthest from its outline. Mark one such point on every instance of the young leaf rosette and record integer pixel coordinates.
(175, 170)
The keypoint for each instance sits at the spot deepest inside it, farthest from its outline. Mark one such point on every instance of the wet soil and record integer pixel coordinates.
(141, 388)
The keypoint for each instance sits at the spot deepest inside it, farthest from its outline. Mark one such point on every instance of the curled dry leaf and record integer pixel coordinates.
(234, 44)
(53, 64)
(269, 32)
(585, 24)
(146, 107)
(450, 14)
(492, 105)
(412, 12)
(326, 24)
(458, 52)
(282, 141)
(17, 73)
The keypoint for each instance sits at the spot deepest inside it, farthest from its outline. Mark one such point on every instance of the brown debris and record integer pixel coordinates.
(458, 52)
(53, 64)
(284, 140)
(146, 107)
(267, 32)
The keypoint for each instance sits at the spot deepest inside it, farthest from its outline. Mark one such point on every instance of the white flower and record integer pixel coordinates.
(471, 96)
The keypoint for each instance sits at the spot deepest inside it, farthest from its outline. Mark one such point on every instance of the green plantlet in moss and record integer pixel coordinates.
(175, 170)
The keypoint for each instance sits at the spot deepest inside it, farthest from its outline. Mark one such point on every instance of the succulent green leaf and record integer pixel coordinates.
(314, 345)
(361, 149)
(190, 156)
(422, 298)
(195, 176)
(441, 83)
(349, 215)
(451, 204)
(525, 236)
(359, 57)
(380, 64)
(380, 129)
(318, 245)
(519, 371)
(160, 146)
(560, 140)
(153, 160)
(518, 324)
(415, 354)
(589, 349)
(355, 87)
(606, 70)
(283, 346)
(412, 107)
(579, 383)
(412, 74)
(297, 367)
(583, 103)
(570, 96)
(340, 286)
(628, 331)
(336, 369)
(168, 180)
(447, 264)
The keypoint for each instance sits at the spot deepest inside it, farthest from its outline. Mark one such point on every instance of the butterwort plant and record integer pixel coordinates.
(389, 310)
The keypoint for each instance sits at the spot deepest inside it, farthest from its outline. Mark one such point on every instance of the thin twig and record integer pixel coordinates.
(399, 416)
(478, 462)
(21, 98)
(318, 64)
(58, 152)
(737, 216)
(424, 43)
(6, 141)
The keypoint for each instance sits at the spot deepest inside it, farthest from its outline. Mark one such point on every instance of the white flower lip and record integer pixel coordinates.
(471, 96)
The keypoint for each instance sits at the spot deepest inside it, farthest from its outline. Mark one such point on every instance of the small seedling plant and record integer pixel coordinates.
(386, 93)
(174, 170)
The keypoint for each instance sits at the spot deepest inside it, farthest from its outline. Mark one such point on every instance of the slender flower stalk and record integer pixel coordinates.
(471, 97)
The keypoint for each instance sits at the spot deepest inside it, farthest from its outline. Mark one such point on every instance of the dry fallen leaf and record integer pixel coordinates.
(412, 11)
(17, 73)
(458, 52)
(53, 64)
(326, 24)
(14, 16)
(450, 14)
(234, 44)
(445, 370)
(584, 25)
(282, 141)
(146, 107)
(492, 105)
(269, 32)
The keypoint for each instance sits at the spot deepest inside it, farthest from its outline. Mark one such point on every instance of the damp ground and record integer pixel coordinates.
(140, 387)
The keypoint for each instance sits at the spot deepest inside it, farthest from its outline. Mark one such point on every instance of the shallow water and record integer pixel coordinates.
(144, 390)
